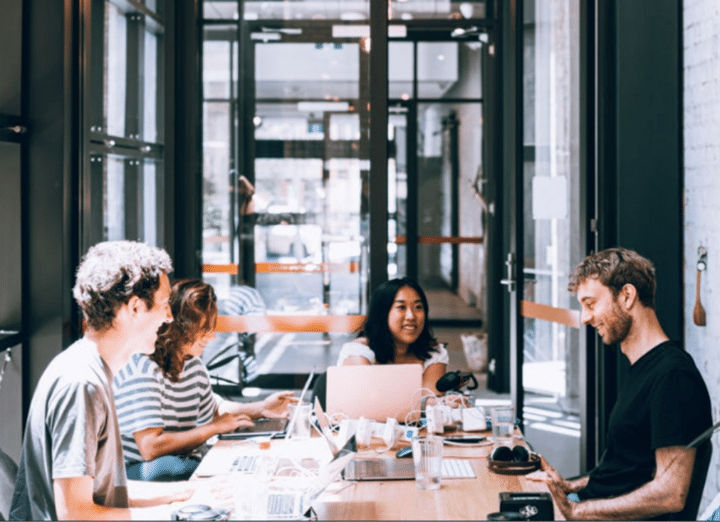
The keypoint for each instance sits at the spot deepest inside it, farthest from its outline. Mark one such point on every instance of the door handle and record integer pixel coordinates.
(510, 280)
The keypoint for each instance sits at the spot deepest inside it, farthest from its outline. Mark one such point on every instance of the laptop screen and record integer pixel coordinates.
(374, 391)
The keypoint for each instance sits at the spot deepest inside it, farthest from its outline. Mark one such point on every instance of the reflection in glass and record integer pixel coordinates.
(436, 9)
(114, 199)
(115, 70)
(552, 243)
(152, 88)
(328, 71)
(152, 201)
(400, 70)
(216, 182)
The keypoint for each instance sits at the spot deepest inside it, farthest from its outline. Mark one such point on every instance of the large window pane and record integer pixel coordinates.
(436, 9)
(552, 245)
(115, 71)
(123, 188)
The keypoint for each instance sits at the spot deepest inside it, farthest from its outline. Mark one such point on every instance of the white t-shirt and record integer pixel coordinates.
(356, 348)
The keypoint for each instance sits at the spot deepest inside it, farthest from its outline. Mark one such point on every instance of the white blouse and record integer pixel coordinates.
(358, 349)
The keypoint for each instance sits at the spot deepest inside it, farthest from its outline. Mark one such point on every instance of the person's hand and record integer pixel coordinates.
(549, 475)
(275, 406)
(563, 503)
(228, 422)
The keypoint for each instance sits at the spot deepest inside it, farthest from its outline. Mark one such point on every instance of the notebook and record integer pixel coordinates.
(374, 391)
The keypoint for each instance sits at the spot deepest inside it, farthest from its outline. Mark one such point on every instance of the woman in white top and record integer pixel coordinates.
(396, 331)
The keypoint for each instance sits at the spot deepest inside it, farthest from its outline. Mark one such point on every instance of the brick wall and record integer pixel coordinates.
(701, 56)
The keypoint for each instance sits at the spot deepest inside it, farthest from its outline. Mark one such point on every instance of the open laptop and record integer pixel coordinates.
(375, 391)
(361, 468)
(297, 504)
(266, 427)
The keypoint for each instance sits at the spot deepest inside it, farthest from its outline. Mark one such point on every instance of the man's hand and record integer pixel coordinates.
(550, 476)
(566, 507)
(275, 406)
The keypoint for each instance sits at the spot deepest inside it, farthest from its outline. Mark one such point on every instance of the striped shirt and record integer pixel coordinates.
(145, 398)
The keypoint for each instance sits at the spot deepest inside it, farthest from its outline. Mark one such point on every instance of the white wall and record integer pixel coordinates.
(701, 33)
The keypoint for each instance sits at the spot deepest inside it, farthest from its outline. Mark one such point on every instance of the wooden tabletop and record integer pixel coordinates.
(457, 499)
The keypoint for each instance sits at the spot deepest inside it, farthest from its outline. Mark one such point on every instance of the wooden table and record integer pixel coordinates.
(457, 499)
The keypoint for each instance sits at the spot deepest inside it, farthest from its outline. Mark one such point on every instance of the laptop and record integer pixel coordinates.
(297, 504)
(382, 468)
(266, 427)
(374, 391)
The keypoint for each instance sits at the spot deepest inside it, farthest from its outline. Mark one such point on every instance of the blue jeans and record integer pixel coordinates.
(573, 497)
(163, 469)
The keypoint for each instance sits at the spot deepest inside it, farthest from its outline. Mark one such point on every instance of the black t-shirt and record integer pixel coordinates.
(663, 402)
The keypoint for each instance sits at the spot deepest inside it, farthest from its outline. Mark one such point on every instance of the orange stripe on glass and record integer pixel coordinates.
(352, 267)
(437, 240)
(543, 312)
(290, 323)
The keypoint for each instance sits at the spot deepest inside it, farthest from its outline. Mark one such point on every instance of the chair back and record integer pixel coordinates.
(697, 482)
(8, 473)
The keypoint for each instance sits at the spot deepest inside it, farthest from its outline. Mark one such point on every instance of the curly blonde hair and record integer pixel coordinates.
(111, 273)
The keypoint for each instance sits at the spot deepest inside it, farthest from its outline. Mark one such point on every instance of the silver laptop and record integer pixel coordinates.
(297, 504)
(375, 391)
(266, 427)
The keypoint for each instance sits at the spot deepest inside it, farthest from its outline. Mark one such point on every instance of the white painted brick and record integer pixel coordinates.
(701, 97)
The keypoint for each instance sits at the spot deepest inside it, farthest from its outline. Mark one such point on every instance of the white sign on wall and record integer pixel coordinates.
(549, 197)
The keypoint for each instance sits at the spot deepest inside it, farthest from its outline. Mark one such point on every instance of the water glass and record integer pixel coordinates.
(300, 418)
(427, 457)
(503, 425)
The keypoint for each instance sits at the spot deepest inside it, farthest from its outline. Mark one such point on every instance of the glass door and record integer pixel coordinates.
(551, 350)
(286, 174)
(436, 206)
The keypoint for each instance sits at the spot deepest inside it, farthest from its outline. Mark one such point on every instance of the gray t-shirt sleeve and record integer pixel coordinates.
(76, 414)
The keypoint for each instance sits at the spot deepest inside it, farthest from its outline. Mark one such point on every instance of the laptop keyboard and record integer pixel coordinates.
(457, 468)
(281, 504)
(244, 464)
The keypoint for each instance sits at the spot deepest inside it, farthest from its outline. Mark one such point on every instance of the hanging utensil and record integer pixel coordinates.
(699, 311)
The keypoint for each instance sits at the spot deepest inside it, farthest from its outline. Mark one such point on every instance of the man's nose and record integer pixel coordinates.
(585, 316)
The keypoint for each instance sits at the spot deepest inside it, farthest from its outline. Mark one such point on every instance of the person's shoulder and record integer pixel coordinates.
(140, 366)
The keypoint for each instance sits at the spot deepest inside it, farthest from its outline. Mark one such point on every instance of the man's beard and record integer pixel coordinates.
(617, 326)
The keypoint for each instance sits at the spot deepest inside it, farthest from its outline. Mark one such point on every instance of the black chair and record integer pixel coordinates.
(697, 482)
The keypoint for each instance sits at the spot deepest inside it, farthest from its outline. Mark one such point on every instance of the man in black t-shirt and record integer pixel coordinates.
(646, 469)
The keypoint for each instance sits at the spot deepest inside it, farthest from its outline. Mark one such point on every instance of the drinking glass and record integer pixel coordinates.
(427, 457)
(503, 425)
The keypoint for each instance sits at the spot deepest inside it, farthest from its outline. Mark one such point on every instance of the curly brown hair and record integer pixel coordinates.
(614, 268)
(194, 309)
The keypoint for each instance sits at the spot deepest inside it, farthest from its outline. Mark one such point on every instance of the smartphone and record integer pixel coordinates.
(465, 439)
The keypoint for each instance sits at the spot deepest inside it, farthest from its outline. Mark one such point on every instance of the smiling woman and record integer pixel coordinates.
(396, 331)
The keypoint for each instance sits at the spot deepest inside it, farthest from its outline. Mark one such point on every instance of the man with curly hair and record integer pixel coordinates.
(72, 464)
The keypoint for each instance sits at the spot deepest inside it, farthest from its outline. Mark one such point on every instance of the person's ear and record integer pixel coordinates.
(628, 296)
(135, 305)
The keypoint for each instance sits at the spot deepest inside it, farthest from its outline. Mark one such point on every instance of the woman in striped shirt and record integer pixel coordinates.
(165, 404)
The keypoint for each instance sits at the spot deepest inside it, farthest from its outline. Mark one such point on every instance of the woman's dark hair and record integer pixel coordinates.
(194, 309)
(376, 329)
